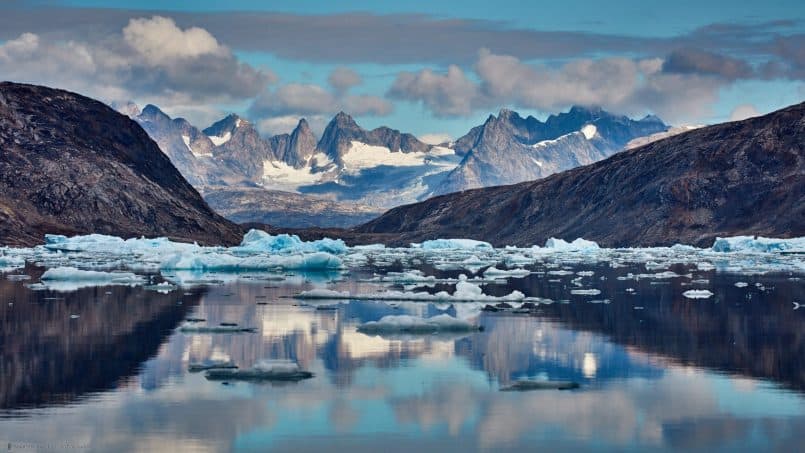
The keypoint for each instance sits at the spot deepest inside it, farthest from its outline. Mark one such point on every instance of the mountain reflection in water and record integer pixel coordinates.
(721, 373)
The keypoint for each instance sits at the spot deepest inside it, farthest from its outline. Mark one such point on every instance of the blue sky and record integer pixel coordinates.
(420, 66)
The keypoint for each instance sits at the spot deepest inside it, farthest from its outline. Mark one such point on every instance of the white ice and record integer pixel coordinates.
(416, 324)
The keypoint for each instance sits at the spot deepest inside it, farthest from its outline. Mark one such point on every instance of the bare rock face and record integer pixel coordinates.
(72, 165)
(342, 130)
(508, 149)
(745, 177)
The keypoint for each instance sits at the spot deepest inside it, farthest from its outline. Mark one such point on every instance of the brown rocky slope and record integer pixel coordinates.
(72, 165)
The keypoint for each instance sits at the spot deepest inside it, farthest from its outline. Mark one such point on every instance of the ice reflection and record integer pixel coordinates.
(677, 374)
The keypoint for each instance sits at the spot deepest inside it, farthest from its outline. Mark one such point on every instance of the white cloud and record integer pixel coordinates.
(743, 112)
(342, 79)
(450, 94)
(151, 60)
(300, 99)
(159, 40)
(619, 84)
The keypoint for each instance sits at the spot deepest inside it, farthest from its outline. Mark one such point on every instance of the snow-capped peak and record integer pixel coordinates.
(589, 131)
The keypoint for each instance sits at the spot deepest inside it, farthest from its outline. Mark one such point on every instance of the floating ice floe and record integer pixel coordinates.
(226, 262)
(465, 292)
(416, 324)
(439, 244)
(263, 370)
(698, 294)
(516, 273)
(70, 279)
(10, 263)
(758, 244)
(585, 292)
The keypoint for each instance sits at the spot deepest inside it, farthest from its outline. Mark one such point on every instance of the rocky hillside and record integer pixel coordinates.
(72, 165)
(745, 177)
(288, 209)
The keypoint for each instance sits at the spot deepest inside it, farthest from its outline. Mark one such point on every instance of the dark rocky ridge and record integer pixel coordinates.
(745, 177)
(508, 149)
(72, 165)
(342, 130)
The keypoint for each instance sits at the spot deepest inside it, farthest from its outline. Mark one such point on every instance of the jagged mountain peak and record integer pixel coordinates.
(151, 112)
(229, 123)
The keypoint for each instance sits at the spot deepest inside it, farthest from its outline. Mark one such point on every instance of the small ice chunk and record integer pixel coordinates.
(697, 294)
(585, 292)
(516, 273)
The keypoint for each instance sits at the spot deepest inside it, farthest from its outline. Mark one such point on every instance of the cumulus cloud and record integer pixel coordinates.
(694, 61)
(743, 112)
(343, 78)
(159, 40)
(448, 94)
(150, 59)
(300, 99)
(620, 84)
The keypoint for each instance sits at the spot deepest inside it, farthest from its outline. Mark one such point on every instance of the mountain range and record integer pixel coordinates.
(72, 165)
(738, 178)
(354, 171)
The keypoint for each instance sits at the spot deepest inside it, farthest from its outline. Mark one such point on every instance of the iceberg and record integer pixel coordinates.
(258, 241)
(575, 246)
(440, 244)
(758, 244)
(416, 324)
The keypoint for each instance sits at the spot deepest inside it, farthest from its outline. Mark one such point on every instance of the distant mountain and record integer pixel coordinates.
(291, 210)
(383, 167)
(72, 165)
(508, 149)
(745, 177)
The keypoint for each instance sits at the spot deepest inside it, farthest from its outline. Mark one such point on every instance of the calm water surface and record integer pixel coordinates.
(658, 371)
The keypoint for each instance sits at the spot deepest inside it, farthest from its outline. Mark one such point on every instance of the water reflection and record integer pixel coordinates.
(723, 373)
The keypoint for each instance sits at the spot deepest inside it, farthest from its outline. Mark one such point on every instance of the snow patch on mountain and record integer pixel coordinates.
(589, 131)
(219, 140)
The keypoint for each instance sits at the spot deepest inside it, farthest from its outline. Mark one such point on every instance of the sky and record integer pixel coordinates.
(433, 68)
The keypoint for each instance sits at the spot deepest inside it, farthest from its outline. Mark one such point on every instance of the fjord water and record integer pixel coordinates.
(105, 368)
